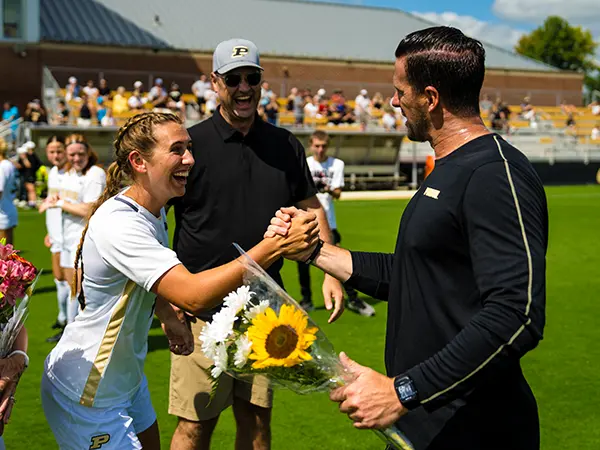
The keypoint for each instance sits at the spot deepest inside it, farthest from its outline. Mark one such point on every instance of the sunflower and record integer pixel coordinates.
(280, 341)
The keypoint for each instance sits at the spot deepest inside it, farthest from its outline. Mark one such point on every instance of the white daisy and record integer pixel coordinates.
(254, 311)
(221, 327)
(239, 299)
(243, 345)
(220, 361)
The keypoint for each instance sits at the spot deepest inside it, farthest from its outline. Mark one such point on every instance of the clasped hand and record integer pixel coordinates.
(297, 230)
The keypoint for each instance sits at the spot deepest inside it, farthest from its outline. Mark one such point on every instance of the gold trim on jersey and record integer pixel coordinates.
(106, 346)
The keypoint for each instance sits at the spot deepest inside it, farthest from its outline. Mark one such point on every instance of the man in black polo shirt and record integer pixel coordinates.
(245, 170)
(466, 283)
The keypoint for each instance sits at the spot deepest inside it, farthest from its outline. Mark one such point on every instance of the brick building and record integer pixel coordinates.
(302, 44)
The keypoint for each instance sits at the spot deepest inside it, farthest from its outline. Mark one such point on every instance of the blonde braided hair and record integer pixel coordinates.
(137, 134)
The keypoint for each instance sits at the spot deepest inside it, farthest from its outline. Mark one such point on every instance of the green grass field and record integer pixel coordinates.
(563, 370)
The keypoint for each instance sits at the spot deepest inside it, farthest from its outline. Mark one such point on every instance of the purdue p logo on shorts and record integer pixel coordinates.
(99, 441)
(239, 51)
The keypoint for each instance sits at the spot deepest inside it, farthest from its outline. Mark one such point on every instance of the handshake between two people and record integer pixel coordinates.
(297, 232)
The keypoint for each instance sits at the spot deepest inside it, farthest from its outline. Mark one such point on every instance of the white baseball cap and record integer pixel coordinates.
(137, 84)
(363, 92)
(235, 53)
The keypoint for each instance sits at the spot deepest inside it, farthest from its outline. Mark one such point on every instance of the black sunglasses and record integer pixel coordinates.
(234, 79)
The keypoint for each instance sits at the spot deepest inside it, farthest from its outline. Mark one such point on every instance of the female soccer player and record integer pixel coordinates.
(81, 186)
(8, 192)
(94, 391)
(56, 154)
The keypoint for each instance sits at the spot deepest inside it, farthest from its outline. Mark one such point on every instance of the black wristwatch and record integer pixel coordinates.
(406, 392)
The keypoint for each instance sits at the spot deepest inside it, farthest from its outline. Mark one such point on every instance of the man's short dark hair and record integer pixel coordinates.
(320, 135)
(443, 57)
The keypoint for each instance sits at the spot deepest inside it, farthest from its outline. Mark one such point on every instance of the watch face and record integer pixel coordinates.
(406, 391)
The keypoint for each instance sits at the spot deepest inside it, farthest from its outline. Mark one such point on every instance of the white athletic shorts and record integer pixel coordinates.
(55, 246)
(8, 221)
(67, 257)
(77, 427)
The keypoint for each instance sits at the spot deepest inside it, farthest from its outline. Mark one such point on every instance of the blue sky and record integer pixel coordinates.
(500, 22)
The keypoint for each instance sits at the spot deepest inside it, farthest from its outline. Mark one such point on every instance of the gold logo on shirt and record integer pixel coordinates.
(99, 441)
(432, 193)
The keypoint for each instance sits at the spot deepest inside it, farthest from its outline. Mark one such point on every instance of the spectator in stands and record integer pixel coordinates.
(211, 98)
(320, 95)
(338, 96)
(485, 106)
(568, 108)
(595, 135)
(272, 110)
(158, 96)
(87, 111)
(90, 90)
(27, 164)
(527, 109)
(328, 175)
(595, 107)
(362, 108)
(311, 111)
(135, 102)
(35, 113)
(62, 113)
(101, 110)
(389, 117)
(119, 101)
(265, 94)
(377, 102)
(175, 101)
(103, 89)
(139, 86)
(73, 90)
(108, 120)
(199, 88)
(10, 114)
(570, 125)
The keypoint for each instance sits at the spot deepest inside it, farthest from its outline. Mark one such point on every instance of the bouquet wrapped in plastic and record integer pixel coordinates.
(17, 281)
(261, 330)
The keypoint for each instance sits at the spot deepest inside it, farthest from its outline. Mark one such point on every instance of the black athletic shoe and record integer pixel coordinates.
(307, 305)
(58, 325)
(56, 337)
(360, 307)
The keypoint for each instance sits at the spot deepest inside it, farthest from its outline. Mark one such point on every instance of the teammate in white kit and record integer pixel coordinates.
(94, 391)
(56, 154)
(328, 176)
(8, 192)
(81, 185)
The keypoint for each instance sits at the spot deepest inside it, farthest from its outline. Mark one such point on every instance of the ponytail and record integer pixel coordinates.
(115, 180)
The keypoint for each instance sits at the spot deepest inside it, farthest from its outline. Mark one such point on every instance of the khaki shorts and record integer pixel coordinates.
(190, 386)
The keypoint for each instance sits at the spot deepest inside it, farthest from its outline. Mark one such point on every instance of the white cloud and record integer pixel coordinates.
(500, 35)
(577, 12)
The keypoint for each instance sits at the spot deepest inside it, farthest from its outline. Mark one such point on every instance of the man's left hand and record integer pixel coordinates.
(370, 399)
(181, 339)
(332, 289)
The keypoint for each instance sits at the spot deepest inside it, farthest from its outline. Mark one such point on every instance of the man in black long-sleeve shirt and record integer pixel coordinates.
(466, 283)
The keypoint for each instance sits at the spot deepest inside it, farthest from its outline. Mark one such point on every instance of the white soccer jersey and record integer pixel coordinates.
(54, 215)
(330, 173)
(99, 360)
(8, 186)
(79, 188)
